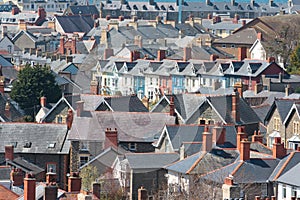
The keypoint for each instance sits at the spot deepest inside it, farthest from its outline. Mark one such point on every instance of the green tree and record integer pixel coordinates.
(33, 83)
(89, 174)
(294, 66)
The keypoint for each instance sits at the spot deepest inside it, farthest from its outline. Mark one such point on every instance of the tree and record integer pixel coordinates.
(33, 83)
(89, 174)
(294, 66)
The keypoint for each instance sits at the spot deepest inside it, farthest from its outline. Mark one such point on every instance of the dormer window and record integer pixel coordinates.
(171, 7)
(227, 7)
(51, 145)
(145, 7)
(135, 7)
(240, 7)
(27, 145)
(163, 7)
(220, 70)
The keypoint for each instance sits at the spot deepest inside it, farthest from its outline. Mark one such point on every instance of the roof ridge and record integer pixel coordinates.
(284, 165)
(237, 168)
(196, 163)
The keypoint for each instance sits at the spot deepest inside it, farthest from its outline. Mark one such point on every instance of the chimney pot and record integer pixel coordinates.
(245, 150)
(43, 101)
(74, 182)
(206, 140)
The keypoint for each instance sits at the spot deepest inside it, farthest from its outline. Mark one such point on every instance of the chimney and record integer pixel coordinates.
(257, 137)
(2, 85)
(270, 3)
(213, 57)
(145, 101)
(259, 36)
(69, 119)
(4, 31)
(94, 88)
(50, 177)
(235, 107)
(79, 108)
(288, 90)
(62, 45)
(245, 150)
(206, 140)
(51, 25)
(273, 197)
(22, 25)
(111, 138)
(9, 152)
(69, 59)
(16, 176)
(230, 190)
(7, 110)
(103, 37)
(74, 182)
(278, 148)
(161, 54)
(258, 88)
(239, 87)
(134, 55)
(241, 135)
(43, 101)
(243, 22)
(50, 192)
(242, 53)
(142, 193)
(42, 13)
(29, 187)
(15, 11)
(228, 181)
(257, 197)
(187, 53)
(97, 190)
(73, 45)
(218, 134)
(138, 41)
(236, 19)
(172, 106)
(233, 2)
(209, 16)
(271, 59)
(108, 52)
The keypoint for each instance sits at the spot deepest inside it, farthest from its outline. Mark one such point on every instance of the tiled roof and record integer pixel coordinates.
(84, 10)
(289, 177)
(150, 160)
(126, 104)
(35, 138)
(75, 23)
(5, 173)
(131, 126)
(6, 193)
(26, 166)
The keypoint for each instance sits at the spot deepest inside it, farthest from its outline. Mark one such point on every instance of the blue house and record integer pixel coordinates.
(178, 79)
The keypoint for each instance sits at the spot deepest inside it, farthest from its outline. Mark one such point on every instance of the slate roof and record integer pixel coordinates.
(253, 171)
(84, 10)
(289, 177)
(131, 126)
(38, 136)
(125, 104)
(247, 36)
(104, 160)
(283, 106)
(4, 173)
(75, 23)
(26, 166)
(15, 114)
(150, 160)
(204, 162)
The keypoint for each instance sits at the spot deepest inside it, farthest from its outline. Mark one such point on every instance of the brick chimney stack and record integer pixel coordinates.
(241, 135)
(50, 192)
(69, 119)
(172, 106)
(9, 152)
(51, 177)
(94, 87)
(29, 187)
(7, 110)
(278, 148)
(187, 53)
(97, 189)
(74, 182)
(43, 101)
(73, 45)
(62, 45)
(235, 106)
(108, 52)
(242, 53)
(142, 193)
(111, 138)
(161, 54)
(218, 133)
(257, 137)
(16, 176)
(206, 140)
(245, 150)
(79, 108)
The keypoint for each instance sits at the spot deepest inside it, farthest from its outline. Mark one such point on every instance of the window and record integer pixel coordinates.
(156, 81)
(150, 95)
(125, 80)
(284, 191)
(224, 46)
(132, 146)
(295, 127)
(9, 49)
(232, 46)
(83, 160)
(294, 192)
(151, 81)
(276, 123)
(194, 83)
(51, 167)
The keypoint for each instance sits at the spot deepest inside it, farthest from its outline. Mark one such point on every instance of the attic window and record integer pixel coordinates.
(145, 7)
(163, 7)
(249, 7)
(135, 7)
(51, 145)
(240, 7)
(215, 7)
(156, 7)
(227, 7)
(171, 7)
(128, 7)
(27, 145)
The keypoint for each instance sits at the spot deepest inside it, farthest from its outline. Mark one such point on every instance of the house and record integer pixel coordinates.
(44, 145)
(145, 169)
(94, 131)
(25, 40)
(210, 109)
(275, 120)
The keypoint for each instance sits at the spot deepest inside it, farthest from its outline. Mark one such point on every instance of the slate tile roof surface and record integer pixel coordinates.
(26, 166)
(150, 160)
(131, 126)
(75, 23)
(35, 138)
